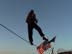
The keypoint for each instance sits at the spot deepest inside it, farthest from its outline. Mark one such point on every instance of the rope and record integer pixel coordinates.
(15, 33)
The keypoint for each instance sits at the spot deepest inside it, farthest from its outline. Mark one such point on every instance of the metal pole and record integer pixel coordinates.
(52, 51)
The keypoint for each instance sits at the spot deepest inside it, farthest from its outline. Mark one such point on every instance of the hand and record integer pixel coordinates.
(36, 21)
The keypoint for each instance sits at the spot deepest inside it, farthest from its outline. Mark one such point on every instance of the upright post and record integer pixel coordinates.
(52, 50)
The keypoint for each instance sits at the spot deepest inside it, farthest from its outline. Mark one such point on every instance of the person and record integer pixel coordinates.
(32, 24)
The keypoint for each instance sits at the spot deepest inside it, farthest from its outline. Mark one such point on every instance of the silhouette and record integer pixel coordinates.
(32, 23)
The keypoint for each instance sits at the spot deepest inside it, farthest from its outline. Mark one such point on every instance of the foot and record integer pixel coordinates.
(44, 38)
(31, 43)
(53, 40)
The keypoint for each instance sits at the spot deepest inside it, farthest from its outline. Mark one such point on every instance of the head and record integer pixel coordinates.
(31, 11)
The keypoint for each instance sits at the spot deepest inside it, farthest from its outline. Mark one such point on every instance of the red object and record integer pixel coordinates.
(43, 47)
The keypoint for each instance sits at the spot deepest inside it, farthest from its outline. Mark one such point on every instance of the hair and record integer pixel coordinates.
(31, 11)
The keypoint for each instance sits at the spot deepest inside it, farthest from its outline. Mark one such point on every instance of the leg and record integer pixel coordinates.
(39, 30)
(30, 34)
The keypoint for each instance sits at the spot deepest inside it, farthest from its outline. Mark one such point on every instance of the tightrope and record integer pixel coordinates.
(15, 34)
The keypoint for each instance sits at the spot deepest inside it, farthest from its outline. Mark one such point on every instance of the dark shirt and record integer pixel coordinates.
(31, 19)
